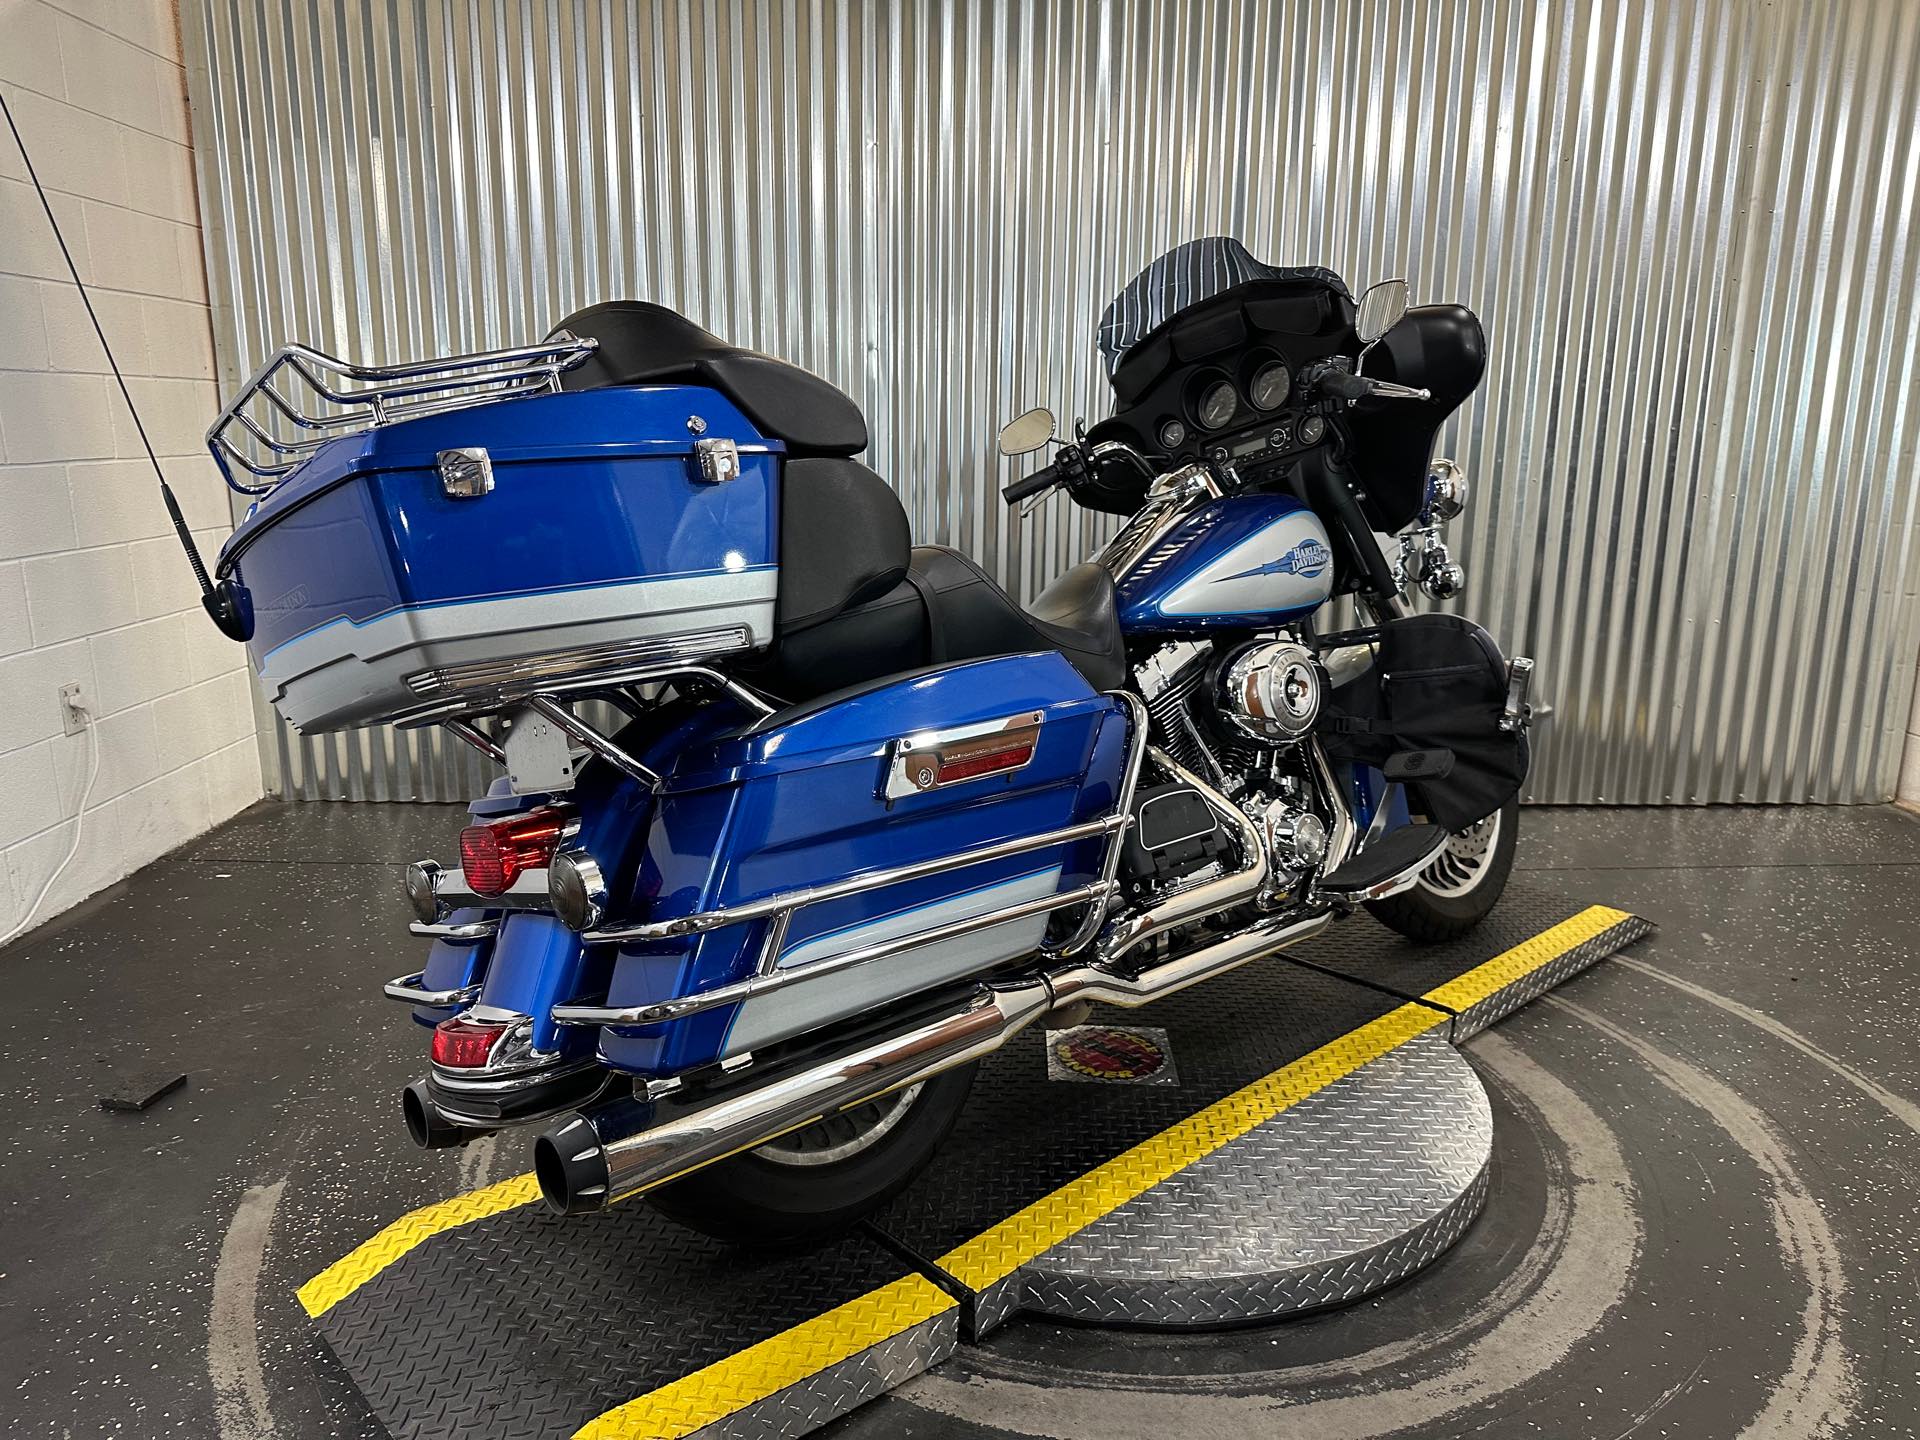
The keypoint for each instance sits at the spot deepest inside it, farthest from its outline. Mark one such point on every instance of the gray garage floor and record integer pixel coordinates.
(1702, 1223)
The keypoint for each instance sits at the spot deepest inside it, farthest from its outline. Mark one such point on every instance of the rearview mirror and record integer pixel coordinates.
(1027, 432)
(1380, 310)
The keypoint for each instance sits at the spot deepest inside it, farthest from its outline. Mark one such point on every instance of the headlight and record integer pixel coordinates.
(1218, 404)
(1270, 386)
(575, 887)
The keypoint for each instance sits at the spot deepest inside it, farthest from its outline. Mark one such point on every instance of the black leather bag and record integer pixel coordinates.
(1428, 714)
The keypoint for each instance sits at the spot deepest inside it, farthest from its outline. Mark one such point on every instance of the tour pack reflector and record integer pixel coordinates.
(494, 855)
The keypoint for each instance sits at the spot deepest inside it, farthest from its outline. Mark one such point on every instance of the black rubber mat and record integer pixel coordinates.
(527, 1324)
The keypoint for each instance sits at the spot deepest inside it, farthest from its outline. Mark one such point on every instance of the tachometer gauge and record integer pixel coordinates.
(1270, 386)
(1218, 404)
(1171, 434)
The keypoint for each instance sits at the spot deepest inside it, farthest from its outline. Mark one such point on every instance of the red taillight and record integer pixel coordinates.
(464, 1044)
(494, 855)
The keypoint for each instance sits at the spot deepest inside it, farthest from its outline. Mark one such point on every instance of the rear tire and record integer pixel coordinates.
(823, 1177)
(1461, 886)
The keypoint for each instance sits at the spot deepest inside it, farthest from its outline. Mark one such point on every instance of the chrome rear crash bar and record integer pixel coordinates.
(408, 990)
(779, 909)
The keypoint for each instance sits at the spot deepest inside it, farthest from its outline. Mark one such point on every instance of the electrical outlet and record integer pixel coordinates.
(73, 708)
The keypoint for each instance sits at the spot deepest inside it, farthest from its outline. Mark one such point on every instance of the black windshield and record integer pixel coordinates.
(1183, 277)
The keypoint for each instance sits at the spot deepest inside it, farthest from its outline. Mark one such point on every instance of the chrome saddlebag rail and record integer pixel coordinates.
(779, 909)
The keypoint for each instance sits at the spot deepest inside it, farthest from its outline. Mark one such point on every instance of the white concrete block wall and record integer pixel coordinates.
(93, 587)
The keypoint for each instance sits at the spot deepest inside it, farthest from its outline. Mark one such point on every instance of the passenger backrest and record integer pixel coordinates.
(844, 540)
(646, 344)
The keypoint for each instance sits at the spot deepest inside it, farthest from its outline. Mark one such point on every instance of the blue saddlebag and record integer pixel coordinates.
(801, 800)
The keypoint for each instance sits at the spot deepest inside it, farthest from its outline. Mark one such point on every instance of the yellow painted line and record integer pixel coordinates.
(1489, 978)
(348, 1274)
(732, 1384)
(997, 1252)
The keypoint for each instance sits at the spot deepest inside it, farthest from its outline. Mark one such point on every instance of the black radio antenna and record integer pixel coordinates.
(221, 602)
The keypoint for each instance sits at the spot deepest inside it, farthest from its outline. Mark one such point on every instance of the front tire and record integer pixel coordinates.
(1461, 886)
(823, 1177)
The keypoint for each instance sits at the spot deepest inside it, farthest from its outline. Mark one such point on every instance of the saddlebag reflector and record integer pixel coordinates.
(935, 758)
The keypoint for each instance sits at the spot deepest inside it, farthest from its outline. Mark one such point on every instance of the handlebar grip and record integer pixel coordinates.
(1033, 484)
(1343, 385)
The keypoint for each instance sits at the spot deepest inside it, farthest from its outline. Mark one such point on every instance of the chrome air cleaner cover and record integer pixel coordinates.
(1271, 690)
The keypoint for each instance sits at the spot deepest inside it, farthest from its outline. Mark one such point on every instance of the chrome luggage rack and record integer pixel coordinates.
(268, 432)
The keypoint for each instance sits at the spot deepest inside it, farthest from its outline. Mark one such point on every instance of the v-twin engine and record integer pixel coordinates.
(1243, 718)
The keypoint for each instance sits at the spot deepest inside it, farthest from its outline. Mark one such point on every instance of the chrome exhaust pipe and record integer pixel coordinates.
(605, 1153)
(1196, 902)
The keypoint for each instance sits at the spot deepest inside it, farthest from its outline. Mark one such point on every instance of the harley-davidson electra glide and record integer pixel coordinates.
(798, 820)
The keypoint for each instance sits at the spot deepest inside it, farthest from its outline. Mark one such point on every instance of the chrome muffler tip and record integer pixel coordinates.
(429, 1128)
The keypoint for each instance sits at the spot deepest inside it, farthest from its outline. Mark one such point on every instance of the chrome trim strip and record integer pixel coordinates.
(406, 989)
(467, 934)
(767, 981)
(599, 682)
(505, 677)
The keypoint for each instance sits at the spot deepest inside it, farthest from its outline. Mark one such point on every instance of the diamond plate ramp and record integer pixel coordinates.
(527, 1324)
(1521, 931)
(1310, 1138)
(1357, 1186)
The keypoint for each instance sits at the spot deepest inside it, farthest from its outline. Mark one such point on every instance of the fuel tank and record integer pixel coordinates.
(1238, 562)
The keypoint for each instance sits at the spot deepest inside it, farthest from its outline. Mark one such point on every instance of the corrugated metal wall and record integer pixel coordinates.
(1688, 227)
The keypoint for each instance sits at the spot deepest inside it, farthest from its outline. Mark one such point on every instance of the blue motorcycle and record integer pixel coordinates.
(797, 820)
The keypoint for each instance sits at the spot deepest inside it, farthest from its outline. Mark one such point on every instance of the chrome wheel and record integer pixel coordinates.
(1464, 861)
(841, 1136)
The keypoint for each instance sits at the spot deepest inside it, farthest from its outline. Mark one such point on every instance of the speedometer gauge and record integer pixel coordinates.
(1217, 405)
(1270, 386)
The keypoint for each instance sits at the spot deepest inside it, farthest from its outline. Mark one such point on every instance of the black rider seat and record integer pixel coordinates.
(857, 603)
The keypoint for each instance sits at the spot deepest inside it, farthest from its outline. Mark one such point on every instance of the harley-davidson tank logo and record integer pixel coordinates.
(1110, 1054)
(1307, 560)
